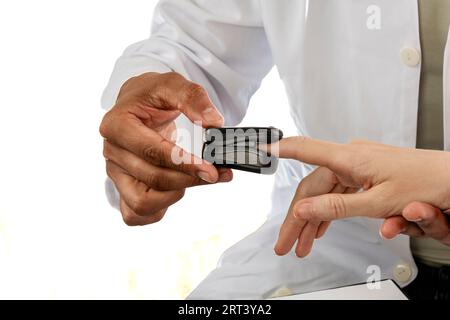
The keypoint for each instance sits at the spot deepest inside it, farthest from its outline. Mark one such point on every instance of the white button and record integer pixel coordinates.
(281, 292)
(402, 273)
(410, 56)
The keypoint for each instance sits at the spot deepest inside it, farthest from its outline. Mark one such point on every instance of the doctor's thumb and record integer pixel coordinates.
(335, 206)
(195, 103)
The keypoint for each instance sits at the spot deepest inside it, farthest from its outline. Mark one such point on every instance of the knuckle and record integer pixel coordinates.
(134, 166)
(172, 76)
(141, 206)
(341, 161)
(129, 219)
(155, 153)
(160, 89)
(166, 153)
(136, 88)
(152, 180)
(158, 93)
(151, 152)
(162, 183)
(104, 128)
(192, 92)
(336, 206)
(158, 217)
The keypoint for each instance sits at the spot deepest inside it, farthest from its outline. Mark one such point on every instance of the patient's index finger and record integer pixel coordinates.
(315, 152)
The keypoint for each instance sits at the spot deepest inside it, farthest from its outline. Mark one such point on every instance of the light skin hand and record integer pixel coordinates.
(303, 232)
(390, 178)
(138, 144)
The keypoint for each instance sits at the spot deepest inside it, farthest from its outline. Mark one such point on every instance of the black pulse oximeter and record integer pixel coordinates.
(238, 148)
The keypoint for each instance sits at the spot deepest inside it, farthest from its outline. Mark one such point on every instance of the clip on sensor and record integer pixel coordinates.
(238, 148)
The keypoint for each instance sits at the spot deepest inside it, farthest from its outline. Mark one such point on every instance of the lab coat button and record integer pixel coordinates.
(410, 56)
(402, 273)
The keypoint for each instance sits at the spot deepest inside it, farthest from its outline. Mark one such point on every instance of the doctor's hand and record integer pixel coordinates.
(419, 220)
(390, 178)
(139, 145)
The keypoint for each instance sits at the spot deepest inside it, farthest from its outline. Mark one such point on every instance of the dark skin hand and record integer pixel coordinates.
(419, 220)
(139, 146)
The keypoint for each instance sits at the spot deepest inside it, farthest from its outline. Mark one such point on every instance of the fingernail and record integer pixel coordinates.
(417, 220)
(382, 236)
(303, 210)
(212, 115)
(205, 176)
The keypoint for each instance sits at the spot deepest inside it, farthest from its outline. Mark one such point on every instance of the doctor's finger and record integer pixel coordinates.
(153, 176)
(430, 219)
(143, 200)
(320, 181)
(174, 91)
(393, 226)
(153, 148)
(132, 219)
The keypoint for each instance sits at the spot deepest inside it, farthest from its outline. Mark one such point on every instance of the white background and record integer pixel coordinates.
(58, 236)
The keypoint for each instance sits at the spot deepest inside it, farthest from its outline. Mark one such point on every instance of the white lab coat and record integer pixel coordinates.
(351, 70)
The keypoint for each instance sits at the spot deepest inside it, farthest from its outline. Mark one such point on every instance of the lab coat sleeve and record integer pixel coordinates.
(218, 44)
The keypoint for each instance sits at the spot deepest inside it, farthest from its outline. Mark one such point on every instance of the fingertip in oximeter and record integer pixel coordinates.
(238, 148)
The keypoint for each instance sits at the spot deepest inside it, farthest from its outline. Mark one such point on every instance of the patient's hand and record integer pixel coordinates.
(390, 179)
(301, 232)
